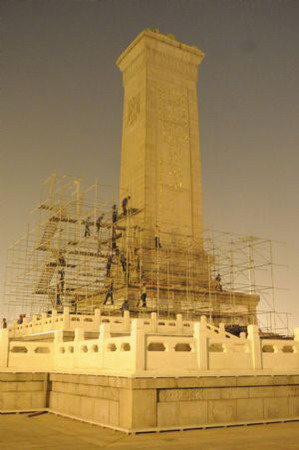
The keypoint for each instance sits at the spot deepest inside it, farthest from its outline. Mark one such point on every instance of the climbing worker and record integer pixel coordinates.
(125, 306)
(218, 283)
(74, 304)
(109, 294)
(58, 298)
(99, 222)
(157, 239)
(87, 227)
(143, 296)
(109, 265)
(4, 323)
(114, 214)
(123, 261)
(61, 260)
(114, 237)
(61, 281)
(124, 204)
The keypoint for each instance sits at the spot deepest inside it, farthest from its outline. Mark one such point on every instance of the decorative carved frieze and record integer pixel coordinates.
(172, 63)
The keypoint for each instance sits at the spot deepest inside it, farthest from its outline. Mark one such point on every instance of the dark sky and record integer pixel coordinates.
(61, 107)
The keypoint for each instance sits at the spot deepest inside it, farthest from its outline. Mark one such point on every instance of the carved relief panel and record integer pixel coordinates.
(133, 110)
(174, 157)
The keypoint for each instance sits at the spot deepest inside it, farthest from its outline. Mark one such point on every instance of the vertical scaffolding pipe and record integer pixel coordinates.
(272, 285)
(251, 265)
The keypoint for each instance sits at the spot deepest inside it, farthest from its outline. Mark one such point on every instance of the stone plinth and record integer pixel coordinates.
(146, 403)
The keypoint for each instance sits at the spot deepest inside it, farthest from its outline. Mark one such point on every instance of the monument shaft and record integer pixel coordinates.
(160, 166)
(161, 173)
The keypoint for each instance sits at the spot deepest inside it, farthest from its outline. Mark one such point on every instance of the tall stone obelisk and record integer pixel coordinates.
(160, 162)
(162, 237)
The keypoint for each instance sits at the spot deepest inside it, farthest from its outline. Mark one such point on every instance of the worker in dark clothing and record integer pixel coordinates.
(123, 262)
(157, 239)
(20, 319)
(58, 298)
(114, 236)
(61, 261)
(87, 227)
(109, 294)
(74, 304)
(61, 275)
(218, 283)
(4, 323)
(143, 296)
(125, 306)
(99, 222)
(114, 214)
(109, 265)
(125, 203)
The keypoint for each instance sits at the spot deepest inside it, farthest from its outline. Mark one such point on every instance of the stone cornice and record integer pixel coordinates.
(152, 43)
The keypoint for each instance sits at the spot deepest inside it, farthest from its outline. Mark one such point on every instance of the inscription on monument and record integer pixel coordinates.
(173, 395)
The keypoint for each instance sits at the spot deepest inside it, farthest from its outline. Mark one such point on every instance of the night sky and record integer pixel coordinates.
(61, 108)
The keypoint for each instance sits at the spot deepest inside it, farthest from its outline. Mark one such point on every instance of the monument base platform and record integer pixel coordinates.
(230, 308)
(144, 404)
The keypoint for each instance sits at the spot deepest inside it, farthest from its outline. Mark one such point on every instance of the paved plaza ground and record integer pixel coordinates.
(45, 432)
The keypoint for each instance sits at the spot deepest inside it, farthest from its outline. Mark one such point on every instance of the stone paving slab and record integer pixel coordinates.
(50, 432)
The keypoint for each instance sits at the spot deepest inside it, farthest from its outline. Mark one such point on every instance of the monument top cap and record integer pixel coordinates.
(151, 38)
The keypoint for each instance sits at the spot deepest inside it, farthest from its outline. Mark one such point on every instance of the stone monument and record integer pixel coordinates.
(161, 176)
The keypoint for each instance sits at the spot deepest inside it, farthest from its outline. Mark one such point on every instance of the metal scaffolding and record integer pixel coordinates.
(81, 244)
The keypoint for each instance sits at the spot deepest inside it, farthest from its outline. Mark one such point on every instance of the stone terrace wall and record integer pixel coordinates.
(229, 400)
(146, 403)
(23, 391)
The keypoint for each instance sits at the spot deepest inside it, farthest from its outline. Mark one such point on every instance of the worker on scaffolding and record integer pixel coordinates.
(109, 265)
(125, 306)
(74, 304)
(61, 278)
(125, 203)
(20, 319)
(114, 214)
(58, 297)
(87, 227)
(143, 296)
(157, 238)
(123, 261)
(218, 283)
(61, 260)
(99, 222)
(109, 294)
(113, 240)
